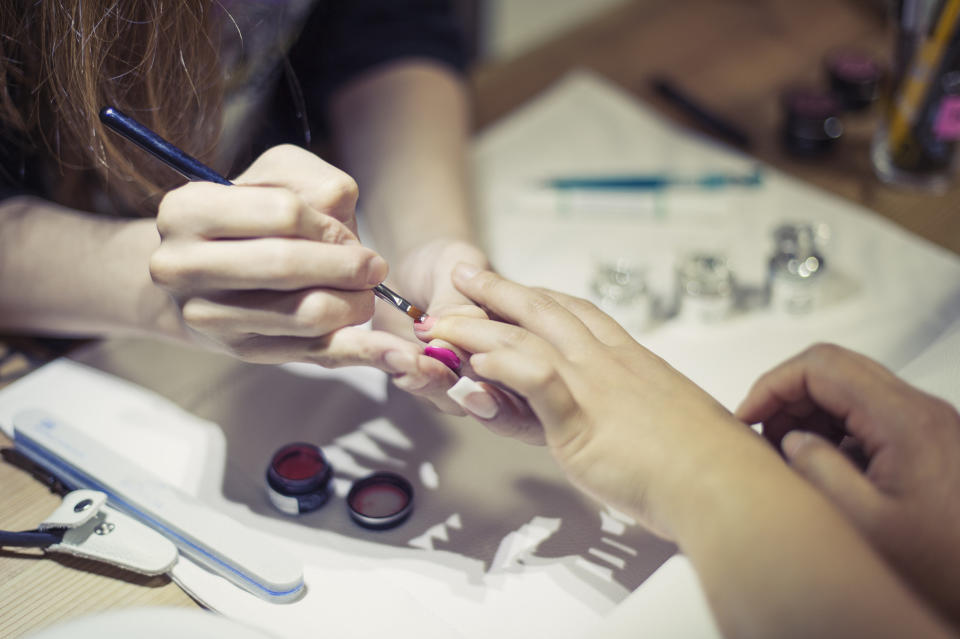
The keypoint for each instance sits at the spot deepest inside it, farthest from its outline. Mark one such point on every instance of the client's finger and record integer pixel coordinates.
(605, 328)
(475, 335)
(501, 411)
(537, 380)
(526, 307)
(457, 356)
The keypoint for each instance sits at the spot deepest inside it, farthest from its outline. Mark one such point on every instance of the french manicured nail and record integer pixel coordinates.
(793, 441)
(425, 325)
(470, 396)
(400, 361)
(443, 355)
(376, 270)
(465, 271)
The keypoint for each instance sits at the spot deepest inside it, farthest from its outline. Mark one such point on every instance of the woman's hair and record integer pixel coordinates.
(61, 61)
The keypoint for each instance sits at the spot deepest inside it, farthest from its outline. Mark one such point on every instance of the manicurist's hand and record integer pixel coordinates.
(907, 502)
(271, 270)
(621, 422)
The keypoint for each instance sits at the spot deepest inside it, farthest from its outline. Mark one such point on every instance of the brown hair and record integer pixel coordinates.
(61, 61)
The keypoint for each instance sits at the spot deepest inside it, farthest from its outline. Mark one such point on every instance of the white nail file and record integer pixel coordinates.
(241, 555)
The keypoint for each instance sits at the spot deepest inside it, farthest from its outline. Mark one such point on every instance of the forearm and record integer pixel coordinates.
(776, 559)
(63, 272)
(402, 132)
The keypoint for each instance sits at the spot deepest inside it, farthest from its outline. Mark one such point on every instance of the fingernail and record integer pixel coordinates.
(444, 355)
(465, 271)
(793, 441)
(473, 399)
(376, 270)
(400, 361)
(425, 324)
(411, 382)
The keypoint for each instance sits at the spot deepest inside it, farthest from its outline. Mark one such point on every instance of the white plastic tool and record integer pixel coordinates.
(241, 555)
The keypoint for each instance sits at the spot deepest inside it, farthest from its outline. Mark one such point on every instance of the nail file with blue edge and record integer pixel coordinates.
(245, 557)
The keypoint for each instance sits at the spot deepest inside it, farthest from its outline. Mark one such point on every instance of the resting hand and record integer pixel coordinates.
(906, 502)
(624, 425)
(271, 271)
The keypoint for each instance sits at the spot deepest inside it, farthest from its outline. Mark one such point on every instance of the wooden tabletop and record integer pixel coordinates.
(736, 56)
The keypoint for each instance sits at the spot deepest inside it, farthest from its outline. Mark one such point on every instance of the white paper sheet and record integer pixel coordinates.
(891, 293)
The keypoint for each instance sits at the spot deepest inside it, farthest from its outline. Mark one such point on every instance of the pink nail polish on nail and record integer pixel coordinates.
(425, 324)
(444, 355)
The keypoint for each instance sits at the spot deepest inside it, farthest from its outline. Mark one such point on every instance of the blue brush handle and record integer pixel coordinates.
(186, 165)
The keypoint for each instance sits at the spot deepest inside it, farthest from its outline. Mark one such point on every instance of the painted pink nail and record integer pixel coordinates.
(444, 355)
(425, 324)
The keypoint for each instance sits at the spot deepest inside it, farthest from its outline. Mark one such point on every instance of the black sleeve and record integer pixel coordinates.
(19, 173)
(344, 38)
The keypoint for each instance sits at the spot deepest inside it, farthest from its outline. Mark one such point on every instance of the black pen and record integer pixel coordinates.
(193, 169)
(711, 121)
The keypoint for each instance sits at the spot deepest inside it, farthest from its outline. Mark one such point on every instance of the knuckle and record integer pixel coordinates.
(940, 417)
(580, 305)
(514, 337)
(543, 375)
(540, 303)
(313, 311)
(164, 270)
(281, 152)
(170, 212)
(196, 314)
(286, 210)
(357, 267)
(824, 352)
(348, 190)
(249, 349)
(334, 232)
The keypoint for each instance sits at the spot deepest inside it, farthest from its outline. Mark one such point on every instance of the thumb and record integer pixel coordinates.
(830, 471)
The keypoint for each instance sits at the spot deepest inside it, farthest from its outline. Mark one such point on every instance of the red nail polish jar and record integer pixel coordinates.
(298, 478)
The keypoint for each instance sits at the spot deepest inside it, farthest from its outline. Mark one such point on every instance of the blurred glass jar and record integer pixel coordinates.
(705, 288)
(916, 144)
(620, 289)
(796, 268)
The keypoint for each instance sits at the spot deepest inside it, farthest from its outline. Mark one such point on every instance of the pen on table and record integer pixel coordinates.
(652, 182)
(709, 120)
(192, 169)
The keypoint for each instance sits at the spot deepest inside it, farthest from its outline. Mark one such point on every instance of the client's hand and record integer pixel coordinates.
(426, 274)
(271, 270)
(624, 425)
(906, 502)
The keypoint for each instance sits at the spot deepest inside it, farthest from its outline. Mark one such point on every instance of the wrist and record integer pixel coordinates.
(154, 311)
(720, 471)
